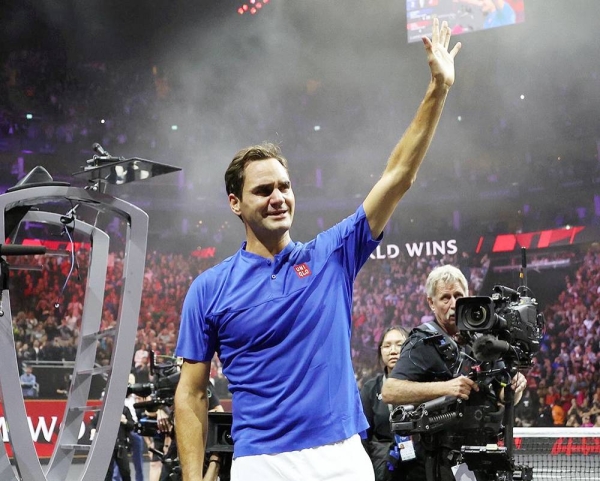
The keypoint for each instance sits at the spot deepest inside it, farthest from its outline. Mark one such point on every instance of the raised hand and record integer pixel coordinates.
(441, 61)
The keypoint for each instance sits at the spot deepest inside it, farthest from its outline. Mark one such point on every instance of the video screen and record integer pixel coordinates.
(463, 16)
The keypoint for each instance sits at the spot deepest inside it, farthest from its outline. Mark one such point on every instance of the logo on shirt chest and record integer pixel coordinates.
(302, 270)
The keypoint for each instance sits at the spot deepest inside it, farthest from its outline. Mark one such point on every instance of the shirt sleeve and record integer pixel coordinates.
(419, 362)
(352, 236)
(197, 337)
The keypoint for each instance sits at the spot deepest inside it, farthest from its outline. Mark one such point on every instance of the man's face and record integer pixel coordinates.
(267, 203)
(443, 305)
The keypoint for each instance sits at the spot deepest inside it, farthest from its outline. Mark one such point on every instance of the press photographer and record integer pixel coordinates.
(157, 423)
(438, 372)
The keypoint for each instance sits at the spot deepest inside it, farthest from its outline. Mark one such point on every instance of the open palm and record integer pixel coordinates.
(441, 61)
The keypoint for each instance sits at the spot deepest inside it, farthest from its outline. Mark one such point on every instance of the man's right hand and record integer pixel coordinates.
(461, 387)
(163, 421)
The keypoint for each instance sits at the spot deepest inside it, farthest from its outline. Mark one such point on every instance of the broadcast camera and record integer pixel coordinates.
(160, 394)
(504, 332)
(505, 326)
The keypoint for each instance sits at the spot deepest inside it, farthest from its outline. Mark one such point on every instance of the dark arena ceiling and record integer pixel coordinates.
(334, 83)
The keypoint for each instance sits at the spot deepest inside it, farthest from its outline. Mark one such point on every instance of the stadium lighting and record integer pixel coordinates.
(252, 6)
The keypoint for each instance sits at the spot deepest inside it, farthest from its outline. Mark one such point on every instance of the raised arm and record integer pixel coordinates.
(405, 159)
(191, 417)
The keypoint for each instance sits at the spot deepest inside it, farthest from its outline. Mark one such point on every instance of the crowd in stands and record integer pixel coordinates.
(68, 102)
(127, 106)
(74, 105)
(563, 382)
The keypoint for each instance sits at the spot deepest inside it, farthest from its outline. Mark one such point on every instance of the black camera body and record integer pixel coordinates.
(161, 392)
(505, 326)
(219, 438)
(504, 331)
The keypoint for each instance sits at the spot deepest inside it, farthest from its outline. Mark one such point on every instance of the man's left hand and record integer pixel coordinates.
(441, 61)
(518, 383)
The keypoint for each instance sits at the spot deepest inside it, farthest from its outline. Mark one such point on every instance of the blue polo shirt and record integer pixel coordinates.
(282, 330)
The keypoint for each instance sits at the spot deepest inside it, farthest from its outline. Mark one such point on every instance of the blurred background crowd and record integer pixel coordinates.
(563, 382)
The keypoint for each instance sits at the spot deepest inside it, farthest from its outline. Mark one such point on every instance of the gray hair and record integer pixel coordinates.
(446, 274)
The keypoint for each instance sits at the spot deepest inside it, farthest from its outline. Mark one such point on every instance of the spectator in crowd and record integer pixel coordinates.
(572, 421)
(27, 353)
(29, 384)
(142, 370)
(260, 193)
(526, 410)
(378, 442)
(141, 352)
(586, 420)
(544, 417)
(558, 413)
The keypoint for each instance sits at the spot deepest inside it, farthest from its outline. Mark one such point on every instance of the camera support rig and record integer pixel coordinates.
(489, 462)
(506, 330)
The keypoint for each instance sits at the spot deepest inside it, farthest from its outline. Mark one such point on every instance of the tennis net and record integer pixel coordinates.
(559, 453)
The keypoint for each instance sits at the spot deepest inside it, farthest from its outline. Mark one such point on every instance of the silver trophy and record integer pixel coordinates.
(37, 200)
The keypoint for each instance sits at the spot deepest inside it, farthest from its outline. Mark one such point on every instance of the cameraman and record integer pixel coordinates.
(435, 361)
(164, 441)
(120, 455)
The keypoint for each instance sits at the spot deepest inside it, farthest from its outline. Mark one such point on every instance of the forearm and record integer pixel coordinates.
(516, 396)
(212, 470)
(406, 158)
(396, 391)
(191, 420)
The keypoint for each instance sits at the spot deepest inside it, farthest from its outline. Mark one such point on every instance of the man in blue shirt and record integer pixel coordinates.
(278, 313)
(29, 384)
(498, 13)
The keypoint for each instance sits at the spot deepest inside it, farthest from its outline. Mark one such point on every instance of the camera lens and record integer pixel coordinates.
(226, 438)
(476, 316)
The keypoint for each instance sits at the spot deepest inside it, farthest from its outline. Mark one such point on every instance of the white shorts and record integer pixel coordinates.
(343, 461)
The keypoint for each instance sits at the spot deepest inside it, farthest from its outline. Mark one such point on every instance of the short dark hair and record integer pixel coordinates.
(235, 174)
